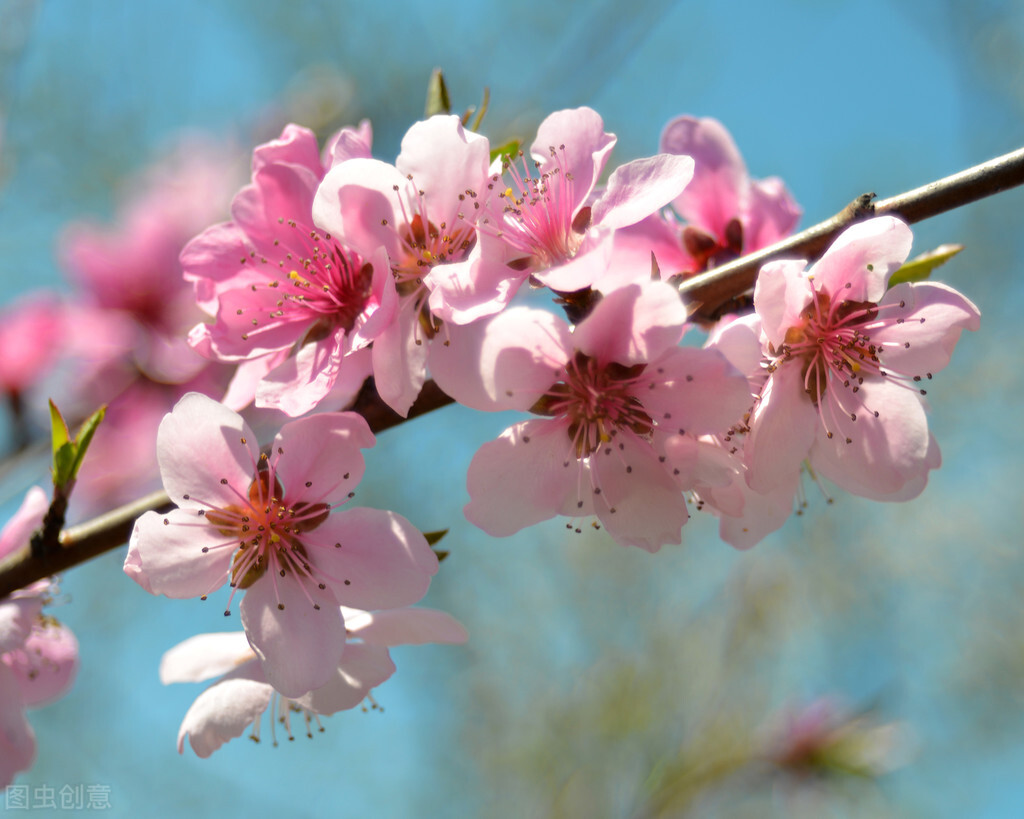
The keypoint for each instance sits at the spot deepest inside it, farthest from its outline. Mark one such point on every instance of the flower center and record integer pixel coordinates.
(536, 213)
(597, 400)
(832, 341)
(267, 529)
(321, 281)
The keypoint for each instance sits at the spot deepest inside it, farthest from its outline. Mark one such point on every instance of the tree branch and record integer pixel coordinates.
(711, 294)
(112, 529)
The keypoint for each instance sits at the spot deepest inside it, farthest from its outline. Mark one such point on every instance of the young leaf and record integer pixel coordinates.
(84, 437)
(63, 464)
(508, 151)
(59, 428)
(920, 267)
(438, 101)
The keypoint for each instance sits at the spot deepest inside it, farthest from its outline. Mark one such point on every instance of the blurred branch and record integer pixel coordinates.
(112, 529)
(713, 293)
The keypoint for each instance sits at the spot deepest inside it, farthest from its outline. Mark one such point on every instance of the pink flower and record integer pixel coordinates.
(282, 291)
(846, 361)
(132, 266)
(239, 698)
(609, 394)
(551, 222)
(38, 656)
(32, 334)
(726, 213)
(422, 211)
(268, 526)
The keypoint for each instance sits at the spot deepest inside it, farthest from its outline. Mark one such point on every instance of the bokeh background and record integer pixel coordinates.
(598, 681)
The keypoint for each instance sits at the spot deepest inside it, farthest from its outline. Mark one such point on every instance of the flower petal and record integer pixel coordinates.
(383, 561)
(205, 656)
(46, 666)
(222, 712)
(206, 452)
(931, 317)
(169, 558)
(634, 495)
(639, 188)
(362, 668)
(857, 265)
(298, 646)
(782, 429)
(406, 626)
(319, 458)
(523, 477)
(17, 740)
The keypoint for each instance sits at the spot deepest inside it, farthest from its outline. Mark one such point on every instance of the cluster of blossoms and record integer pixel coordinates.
(336, 267)
(38, 655)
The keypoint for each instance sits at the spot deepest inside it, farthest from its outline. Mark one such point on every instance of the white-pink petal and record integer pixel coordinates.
(857, 265)
(382, 561)
(639, 188)
(634, 495)
(168, 558)
(206, 452)
(933, 316)
(297, 645)
(362, 668)
(526, 475)
(222, 712)
(782, 429)
(205, 656)
(405, 626)
(632, 325)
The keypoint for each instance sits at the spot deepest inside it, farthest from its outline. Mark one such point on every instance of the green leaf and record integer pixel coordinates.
(920, 267)
(438, 101)
(433, 538)
(63, 464)
(58, 427)
(84, 437)
(509, 151)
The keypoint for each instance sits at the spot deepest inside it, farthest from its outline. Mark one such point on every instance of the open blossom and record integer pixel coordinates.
(847, 360)
(552, 223)
(423, 212)
(725, 213)
(240, 697)
(38, 655)
(609, 393)
(289, 299)
(268, 525)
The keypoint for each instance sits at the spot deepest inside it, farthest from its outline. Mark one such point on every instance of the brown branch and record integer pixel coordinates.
(711, 294)
(112, 529)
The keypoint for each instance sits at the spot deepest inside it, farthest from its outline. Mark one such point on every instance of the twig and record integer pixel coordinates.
(711, 293)
(112, 529)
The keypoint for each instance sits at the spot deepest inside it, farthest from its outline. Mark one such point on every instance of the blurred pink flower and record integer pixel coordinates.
(132, 266)
(725, 213)
(38, 656)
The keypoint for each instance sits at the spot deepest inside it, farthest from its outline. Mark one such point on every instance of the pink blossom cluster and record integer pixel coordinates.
(38, 655)
(336, 267)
